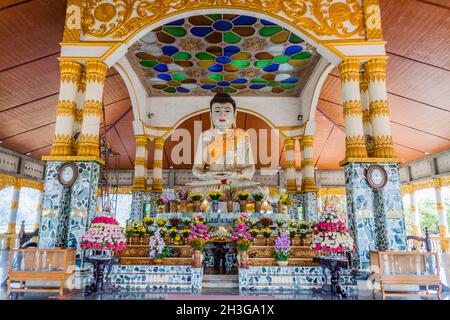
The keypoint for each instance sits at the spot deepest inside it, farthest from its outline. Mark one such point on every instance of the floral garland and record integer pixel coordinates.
(330, 234)
(104, 234)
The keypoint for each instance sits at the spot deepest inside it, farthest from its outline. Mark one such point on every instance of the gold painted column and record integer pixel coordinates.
(382, 144)
(79, 105)
(65, 110)
(308, 179)
(12, 220)
(92, 111)
(291, 184)
(355, 142)
(443, 226)
(417, 231)
(367, 125)
(140, 163)
(158, 165)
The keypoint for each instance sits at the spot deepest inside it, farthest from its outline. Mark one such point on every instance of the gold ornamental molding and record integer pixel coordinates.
(92, 108)
(352, 108)
(159, 143)
(65, 108)
(376, 69)
(74, 14)
(372, 19)
(355, 147)
(366, 117)
(370, 160)
(157, 164)
(383, 147)
(307, 162)
(306, 142)
(81, 83)
(331, 192)
(349, 70)
(363, 85)
(290, 144)
(141, 141)
(290, 164)
(74, 158)
(122, 19)
(88, 145)
(96, 71)
(379, 108)
(62, 145)
(12, 181)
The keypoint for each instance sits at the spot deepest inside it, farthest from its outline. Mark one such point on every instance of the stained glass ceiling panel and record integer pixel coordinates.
(241, 55)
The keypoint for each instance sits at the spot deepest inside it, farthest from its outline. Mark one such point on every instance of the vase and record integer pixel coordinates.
(173, 206)
(257, 206)
(243, 259)
(282, 263)
(195, 207)
(197, 259)
(242, 204)
(230, 205)
(215, 206)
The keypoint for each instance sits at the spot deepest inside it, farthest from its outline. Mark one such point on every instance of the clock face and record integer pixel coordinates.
(68, 174)
(376, 176)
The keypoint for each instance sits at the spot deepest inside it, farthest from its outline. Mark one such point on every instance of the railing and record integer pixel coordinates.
(428, 243)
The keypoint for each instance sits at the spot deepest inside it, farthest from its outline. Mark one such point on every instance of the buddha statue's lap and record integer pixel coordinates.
(223, 152)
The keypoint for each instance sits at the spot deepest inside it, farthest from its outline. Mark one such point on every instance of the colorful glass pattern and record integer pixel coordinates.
(230, 53)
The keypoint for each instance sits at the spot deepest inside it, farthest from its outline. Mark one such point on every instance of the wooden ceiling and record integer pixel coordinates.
(418, 35)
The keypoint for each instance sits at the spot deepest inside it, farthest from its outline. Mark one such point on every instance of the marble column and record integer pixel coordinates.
(12, 219)
(382, 144)
(417, 231)
(443, 225)
(158, 165)
(367, 125)
(309, 190)
(62, 144)
(355, 142)
(291, 184)
(88, 144)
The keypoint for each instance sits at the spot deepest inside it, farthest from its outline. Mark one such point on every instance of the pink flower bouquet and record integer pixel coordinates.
(104, 234)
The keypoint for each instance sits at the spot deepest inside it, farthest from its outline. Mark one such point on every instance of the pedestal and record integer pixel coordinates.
(375, 217)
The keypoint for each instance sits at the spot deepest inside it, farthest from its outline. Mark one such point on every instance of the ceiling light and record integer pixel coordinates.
(317, 168)
(427, 153)
(28, 153)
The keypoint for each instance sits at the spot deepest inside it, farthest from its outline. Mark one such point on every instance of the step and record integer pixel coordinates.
(220, 277)
(228, 284)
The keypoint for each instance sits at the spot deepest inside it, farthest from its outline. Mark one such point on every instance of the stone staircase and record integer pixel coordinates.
(220, 281)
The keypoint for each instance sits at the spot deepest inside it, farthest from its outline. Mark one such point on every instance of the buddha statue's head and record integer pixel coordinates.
(223, 111)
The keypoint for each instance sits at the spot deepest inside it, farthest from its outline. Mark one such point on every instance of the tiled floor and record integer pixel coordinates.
(207, 294)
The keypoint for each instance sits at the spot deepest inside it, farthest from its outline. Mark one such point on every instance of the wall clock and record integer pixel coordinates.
(67, 174)
(376, 176)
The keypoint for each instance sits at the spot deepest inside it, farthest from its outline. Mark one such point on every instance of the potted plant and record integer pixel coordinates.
(242, 238)
(285, 202)
(293, 229)
(230, 193)
(186, 232)
(215, 196)
(258, 196)
(267, 232)
(158, 248)
(103, 235)
(160, 204)
(243, 196)
(129, 232)
(198, 238)
(283, 249)
(196, 197)
(171, 198)
(304, 230)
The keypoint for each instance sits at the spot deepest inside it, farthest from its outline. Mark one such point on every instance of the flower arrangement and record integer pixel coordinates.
(285, 200)
(148, 221)
(161, 222)
(230, 193)
(104, 234)
(304, 229)
(186, 221)
(266, 222)
(168, 196)
(243, 195)
(172, 232)
(280, 222)
(199, 235)
(186, 232)
(196, 196)
(158, 201)
(174, 222)
(254, 232)
(141, 231)
(241, 235)
(258, 196)
(330, 234)
(282, 247)
(215, 195)
(267, 232)
(273, 195)
(158, 248)
(183, 194)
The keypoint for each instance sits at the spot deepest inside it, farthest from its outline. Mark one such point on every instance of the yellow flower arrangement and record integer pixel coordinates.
(285, 200)
(273, 192)
(172, 232)
(243, 195)
(148, 221)
(254, 232)
(141, 231)
(215, 194)
(267, 232)
(161, 222)
(196, 196)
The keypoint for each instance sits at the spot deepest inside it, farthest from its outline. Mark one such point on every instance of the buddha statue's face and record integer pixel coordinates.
(222, 115)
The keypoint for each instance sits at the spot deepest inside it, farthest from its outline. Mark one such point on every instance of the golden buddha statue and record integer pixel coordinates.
(224, 153)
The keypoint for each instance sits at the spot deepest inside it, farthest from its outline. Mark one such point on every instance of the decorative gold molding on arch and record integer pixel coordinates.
(7, 180)
(315, 18)
(441, 182)
(331, 192)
